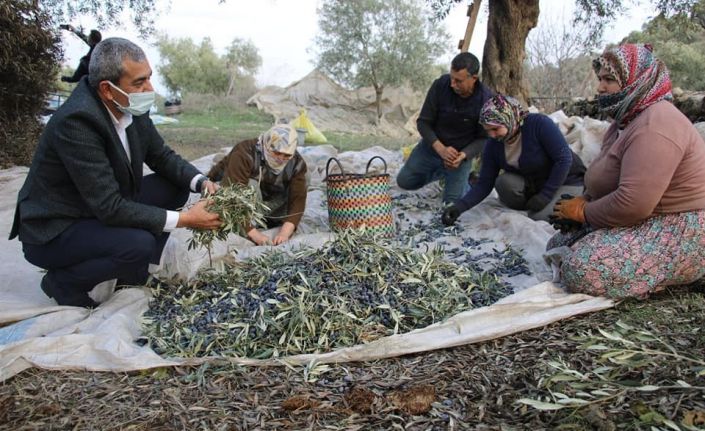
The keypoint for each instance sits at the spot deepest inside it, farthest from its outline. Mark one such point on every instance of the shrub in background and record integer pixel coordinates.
(30, 52)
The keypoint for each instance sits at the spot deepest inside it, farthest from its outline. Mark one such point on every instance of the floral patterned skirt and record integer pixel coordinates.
(638, 260)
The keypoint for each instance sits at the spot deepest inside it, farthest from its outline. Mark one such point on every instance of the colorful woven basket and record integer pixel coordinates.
(359, 200)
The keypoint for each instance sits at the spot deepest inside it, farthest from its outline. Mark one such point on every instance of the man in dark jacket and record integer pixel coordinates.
(92, 39)
(85, 212)
(450, 133)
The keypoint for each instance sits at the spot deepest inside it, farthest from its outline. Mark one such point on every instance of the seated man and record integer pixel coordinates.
(450, 133)
(272, 164)
(85, 213)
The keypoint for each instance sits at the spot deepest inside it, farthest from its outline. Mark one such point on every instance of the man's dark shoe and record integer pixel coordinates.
(48, 287)
(77, 299)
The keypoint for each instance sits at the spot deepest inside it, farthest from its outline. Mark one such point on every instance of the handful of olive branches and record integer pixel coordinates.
(238, 206)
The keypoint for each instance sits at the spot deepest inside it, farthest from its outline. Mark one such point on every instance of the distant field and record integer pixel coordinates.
(208, 124)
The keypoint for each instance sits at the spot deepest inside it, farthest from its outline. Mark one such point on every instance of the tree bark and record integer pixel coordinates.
(508, 26)
(378, 102)
(231, 84)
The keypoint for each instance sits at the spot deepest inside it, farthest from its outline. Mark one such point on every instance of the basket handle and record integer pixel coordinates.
(367, 169)
(342, 172)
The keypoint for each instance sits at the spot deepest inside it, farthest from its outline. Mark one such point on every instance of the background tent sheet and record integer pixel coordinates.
(334, 108)
(39, 333)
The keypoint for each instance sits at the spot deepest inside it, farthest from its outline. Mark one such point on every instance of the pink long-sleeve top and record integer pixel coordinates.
(655, 165)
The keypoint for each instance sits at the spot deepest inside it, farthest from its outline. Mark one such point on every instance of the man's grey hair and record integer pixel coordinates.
(107, 58)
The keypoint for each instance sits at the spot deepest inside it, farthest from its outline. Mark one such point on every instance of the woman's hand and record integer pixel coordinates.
(285, 233)
(258, 237)
(537, 202)
(450, 215)
(571, 209)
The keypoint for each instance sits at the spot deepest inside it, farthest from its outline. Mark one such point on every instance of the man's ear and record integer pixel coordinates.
(104, 91)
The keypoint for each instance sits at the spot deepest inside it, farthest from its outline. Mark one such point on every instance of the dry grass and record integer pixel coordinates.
(210, 123)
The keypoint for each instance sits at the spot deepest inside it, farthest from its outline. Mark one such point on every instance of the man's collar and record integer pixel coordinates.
(124, 121)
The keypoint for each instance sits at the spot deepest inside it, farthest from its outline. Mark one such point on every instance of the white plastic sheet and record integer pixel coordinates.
(39, 333)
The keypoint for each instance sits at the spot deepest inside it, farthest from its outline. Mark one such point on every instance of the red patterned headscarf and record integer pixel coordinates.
(643, 78)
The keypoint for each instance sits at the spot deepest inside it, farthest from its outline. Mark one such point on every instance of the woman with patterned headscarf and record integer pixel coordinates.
(537, 162)
(645, 192)
(272, 164)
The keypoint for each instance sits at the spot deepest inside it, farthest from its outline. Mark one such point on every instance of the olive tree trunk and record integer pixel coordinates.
(379, 89)
(508, 26)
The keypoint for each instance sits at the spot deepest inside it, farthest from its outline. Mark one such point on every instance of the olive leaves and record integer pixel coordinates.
(355, 289)
(238, 207)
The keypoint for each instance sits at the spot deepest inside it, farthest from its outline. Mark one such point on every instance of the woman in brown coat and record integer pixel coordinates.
(272, 164)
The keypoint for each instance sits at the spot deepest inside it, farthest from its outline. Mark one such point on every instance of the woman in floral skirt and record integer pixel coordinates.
(644, 199)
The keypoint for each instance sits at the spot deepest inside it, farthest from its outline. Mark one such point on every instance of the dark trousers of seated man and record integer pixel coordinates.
(89, 252)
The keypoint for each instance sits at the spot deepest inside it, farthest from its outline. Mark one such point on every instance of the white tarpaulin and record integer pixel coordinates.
(39, 333)
(334, 108)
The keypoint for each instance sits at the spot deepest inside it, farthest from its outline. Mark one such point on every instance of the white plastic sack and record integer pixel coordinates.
(584, 135)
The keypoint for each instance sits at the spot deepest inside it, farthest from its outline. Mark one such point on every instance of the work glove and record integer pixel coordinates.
(537, 202)
(65, 78)
(450, 215)
(570, 208)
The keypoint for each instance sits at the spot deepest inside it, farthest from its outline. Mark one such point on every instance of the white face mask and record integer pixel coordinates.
(139, 103)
